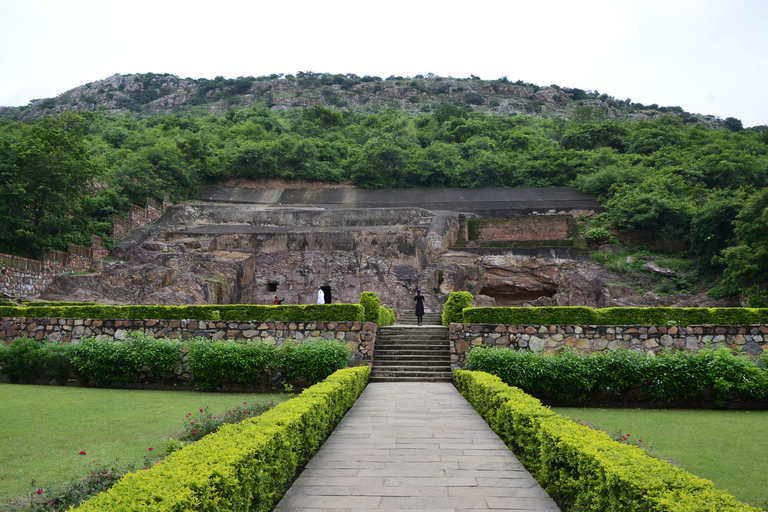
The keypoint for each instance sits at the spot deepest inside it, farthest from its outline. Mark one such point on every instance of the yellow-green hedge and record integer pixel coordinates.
(228, 312)
(585, 469)
(579, 315)
(245, 466)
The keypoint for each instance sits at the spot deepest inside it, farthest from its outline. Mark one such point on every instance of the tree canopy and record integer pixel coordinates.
(62, 177)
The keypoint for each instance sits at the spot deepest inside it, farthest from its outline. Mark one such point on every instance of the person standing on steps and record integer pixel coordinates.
(419, 298)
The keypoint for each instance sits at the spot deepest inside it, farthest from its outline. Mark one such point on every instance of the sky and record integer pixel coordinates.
(706, 56)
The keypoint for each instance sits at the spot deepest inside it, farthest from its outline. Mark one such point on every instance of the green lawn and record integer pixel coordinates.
(728, 447)
(43, 429)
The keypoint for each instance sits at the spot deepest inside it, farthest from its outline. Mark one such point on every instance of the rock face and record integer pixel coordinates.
(252, 252)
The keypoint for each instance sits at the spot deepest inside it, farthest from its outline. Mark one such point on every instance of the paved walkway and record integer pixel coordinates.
(414, 446)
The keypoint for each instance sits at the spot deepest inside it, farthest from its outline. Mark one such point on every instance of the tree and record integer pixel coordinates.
(43, 179)
(733, 124)
(747, 261)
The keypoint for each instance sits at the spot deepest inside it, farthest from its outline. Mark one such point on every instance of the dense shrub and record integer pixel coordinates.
(370, 301)
(614, 316)
(56, 361)
(232, 312)
(386, 317)
(708, 377)
(581, 468)
(246, 466)
(314, 360)
(457, 301)
(20, 360)
(214, 364)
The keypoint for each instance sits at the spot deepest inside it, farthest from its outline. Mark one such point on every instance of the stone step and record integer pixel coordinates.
(405, 359)
(412, 353)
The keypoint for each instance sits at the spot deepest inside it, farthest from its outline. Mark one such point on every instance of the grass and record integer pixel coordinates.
(43, 429)
(728, 447)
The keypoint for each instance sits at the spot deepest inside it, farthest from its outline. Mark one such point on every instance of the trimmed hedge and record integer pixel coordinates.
(140, 358)
(386, 317)
(370, 301)
(246, 466)
(581, 468)
(708, 377)
(614, 316)
(231, 312)
(456, 303)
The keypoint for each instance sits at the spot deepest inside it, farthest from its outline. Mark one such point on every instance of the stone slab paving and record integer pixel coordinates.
(414, 446)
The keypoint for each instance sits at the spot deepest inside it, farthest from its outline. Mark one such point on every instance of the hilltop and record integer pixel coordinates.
(151, 93)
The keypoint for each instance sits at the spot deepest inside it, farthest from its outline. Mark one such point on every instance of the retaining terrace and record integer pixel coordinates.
(650, 339)
(360, 336)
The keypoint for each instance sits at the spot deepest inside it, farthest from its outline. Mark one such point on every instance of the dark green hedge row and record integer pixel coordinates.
(199, 362)
(584, 469)
(615, 316)
(233, 312)
(705, 378)
(243, 466)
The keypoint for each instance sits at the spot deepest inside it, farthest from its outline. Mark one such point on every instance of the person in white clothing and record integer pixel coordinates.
(320, 296)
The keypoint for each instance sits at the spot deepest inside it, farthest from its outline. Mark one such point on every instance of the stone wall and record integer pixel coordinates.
(751, 339)
(360, 336)
(25, 278)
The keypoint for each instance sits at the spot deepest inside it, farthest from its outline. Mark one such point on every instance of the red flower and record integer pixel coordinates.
(194, 431)
(82, 452)
(201, 410)
(39, 491)
(150, 448)
(627, 435)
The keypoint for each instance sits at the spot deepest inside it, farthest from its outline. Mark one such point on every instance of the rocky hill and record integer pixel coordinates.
(152, 93)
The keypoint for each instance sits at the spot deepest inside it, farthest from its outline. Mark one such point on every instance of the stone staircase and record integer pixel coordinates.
(409, 318)
(406, 353)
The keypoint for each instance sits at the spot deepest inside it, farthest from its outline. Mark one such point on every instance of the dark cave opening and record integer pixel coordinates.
(509, 295)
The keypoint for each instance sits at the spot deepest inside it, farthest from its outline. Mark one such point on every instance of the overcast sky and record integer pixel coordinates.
(706, 56)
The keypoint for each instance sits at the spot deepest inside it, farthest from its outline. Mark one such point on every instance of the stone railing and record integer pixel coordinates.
(751, 339)
(360, 336)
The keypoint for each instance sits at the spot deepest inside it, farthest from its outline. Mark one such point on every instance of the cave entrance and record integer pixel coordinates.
(326, 294)
(507, 295)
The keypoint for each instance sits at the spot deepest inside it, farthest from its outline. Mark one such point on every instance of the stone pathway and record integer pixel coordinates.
(414, 446)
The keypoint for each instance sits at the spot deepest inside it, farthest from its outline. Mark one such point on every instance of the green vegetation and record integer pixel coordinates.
(581, 315)
(43, 429)
(581, 468)
(236, 312)
(722, 446)
(617, 377)
(454, 306)
(139, 360)
(62, 177)
(247, 466)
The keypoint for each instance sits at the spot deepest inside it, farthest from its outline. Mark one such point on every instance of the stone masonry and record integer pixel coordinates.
(750, 339)
(360, 336)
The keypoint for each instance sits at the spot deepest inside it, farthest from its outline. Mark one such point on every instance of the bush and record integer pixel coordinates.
(56, 360)
(371, 303)
(232, 312)
(710, 377)
(214, 364)
(581, 468)
(20, 360)
(386, 317)
(314, 360)
(246, 466)
(454, 307)
(614, 316)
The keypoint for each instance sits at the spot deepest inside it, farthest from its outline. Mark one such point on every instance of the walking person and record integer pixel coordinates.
(419, 298)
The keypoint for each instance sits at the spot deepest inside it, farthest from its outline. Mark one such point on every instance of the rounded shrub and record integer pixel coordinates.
(453, 311)
(371, 303)
(20, 360)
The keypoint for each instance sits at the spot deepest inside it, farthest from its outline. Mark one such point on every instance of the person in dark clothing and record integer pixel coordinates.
(419, 298)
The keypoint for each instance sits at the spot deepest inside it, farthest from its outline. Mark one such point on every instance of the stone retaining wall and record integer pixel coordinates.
(752, 339)
(360, 336)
